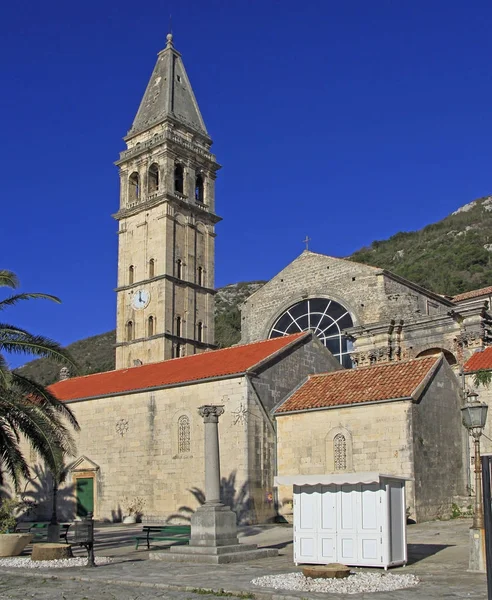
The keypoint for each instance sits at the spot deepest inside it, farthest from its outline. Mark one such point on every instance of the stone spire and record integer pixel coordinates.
(168, 95)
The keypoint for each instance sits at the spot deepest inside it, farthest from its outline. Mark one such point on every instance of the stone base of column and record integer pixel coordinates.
(477, 550)
(53, 534)
(214, 540)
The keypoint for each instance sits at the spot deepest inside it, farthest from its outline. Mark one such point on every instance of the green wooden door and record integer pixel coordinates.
(85, 496)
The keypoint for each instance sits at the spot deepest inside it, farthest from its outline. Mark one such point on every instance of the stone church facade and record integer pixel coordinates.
(382, 352)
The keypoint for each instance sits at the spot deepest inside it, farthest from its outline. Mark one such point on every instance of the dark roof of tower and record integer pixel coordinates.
(168, 94)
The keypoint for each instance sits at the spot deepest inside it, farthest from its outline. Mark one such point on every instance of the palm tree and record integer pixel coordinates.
(27, 409)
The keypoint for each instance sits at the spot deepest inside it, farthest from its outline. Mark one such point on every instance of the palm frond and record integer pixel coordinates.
(35, 345)
(8, 279)
(12, 300)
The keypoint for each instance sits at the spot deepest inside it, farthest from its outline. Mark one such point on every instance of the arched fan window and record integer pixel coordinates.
(184, 437)
(326, 318)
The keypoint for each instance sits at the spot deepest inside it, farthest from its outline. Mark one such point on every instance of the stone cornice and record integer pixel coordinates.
(195, 208)
(175, 280)
(169, 336)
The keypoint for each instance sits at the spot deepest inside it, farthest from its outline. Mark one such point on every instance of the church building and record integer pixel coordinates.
(341, 367)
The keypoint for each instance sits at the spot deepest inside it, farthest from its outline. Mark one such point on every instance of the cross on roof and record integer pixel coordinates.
(306, 241)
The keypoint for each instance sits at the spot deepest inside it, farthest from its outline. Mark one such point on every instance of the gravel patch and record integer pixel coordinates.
(25, 562)
(353, 584)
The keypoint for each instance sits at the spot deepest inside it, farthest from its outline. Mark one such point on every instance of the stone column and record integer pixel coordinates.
(211, 416)
(213, 523)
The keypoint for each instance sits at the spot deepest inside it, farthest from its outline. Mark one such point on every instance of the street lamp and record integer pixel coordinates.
(474, 415)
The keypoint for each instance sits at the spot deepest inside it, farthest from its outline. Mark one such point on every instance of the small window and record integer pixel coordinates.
(131, 274)
(150, 326)
(178, 350)
(340, 452)
(178, 77)
(199, 276)
(179, 269)
(153, 178)
(184, 437)
(179, 178)
(199, 188)
(134, 187)
(129, 331)
(151, 268)
(199, 332)
(178, 326)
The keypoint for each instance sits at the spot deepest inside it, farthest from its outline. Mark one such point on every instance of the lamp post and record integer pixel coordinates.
(474, 415)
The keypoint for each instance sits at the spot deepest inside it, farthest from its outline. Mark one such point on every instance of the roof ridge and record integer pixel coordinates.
(386, 364)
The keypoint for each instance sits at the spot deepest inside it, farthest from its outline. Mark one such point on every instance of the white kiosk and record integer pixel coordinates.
(356, 519)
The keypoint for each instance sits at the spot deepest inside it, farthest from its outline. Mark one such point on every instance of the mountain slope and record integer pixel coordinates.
(448, 257)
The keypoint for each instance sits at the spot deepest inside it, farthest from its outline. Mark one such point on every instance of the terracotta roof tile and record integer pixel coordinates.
(479, 360)
(486, 291)
(216, 363)
(367, 384)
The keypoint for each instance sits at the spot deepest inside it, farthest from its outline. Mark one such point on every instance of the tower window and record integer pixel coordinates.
(178, 178)
(178, 350)
(199, 332)
(129, 331)
(153, 178)
(150, 326)
(134, 187)
(179, 269)
(199, 188)
(151, 268)
(199, 276)
(131, 274)
(178, 326)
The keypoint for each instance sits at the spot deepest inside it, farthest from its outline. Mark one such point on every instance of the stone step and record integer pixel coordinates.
(214, 559)
(213, 549)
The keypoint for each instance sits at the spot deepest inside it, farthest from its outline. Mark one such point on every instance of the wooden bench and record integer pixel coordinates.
(159, 533)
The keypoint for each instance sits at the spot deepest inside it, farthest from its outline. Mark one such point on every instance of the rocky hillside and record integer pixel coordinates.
(96, 354)
(449, 257)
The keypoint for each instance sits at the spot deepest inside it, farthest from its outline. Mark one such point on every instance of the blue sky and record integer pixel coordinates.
(348, 121)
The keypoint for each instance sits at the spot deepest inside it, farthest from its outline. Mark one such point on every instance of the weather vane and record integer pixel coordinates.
(306, 241)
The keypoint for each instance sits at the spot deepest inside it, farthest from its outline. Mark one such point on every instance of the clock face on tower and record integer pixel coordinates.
(141, 299)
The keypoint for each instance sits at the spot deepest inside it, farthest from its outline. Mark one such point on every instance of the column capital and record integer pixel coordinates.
(211, 412)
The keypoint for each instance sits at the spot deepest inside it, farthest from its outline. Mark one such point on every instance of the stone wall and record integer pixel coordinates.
(440, 473)
(378, 438)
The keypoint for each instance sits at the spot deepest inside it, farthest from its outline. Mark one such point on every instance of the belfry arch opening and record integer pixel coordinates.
(133, 187)
(179, 178)
(199, 188)
(153, 178)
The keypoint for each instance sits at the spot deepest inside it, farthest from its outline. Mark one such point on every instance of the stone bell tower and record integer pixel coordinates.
(165, 293)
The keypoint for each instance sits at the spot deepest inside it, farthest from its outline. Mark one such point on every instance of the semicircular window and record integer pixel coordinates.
(326, 318)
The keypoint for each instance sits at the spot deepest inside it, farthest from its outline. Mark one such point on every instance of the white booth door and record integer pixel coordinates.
(338, 524)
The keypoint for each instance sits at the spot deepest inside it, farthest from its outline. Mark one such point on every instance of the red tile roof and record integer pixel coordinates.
(216, 363)
(486, 291)
(479, 360)
(367, 384)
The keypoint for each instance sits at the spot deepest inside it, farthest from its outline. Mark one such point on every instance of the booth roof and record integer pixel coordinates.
(335, 479)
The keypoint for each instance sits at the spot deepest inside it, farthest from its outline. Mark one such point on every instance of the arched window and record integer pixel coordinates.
(326, 318)
(177, 350)
(153, 178)
(199, 188)
(131, 274)
(340, 452)
(199, 332)
(150, 326)
(179, 269)
(199, 276)
(129, 331)
(179, 178)
(178, 326)
(184, 437)
(151, 268)
(133, 187)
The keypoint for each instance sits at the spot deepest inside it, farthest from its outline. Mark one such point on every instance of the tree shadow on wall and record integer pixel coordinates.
(38, 492)
(238, 500)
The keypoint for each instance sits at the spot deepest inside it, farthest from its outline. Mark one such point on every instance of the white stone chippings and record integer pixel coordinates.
(25, 562)
(353, 584)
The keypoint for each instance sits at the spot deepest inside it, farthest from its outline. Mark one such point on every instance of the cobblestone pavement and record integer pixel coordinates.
(438, 555)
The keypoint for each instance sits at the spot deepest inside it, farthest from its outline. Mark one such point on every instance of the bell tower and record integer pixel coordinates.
(165, 293)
